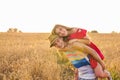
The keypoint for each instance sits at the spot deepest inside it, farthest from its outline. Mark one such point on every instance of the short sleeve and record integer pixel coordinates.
(79, 34)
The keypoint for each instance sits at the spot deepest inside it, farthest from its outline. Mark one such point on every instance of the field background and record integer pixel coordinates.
(27, 56)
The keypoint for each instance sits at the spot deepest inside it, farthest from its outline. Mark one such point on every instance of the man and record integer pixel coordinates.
(85, 72)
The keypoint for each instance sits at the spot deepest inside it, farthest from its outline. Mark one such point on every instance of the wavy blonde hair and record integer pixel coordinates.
(59, 25)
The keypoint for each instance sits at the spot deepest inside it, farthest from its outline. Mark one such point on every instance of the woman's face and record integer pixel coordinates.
(59, 43)
(61, 31)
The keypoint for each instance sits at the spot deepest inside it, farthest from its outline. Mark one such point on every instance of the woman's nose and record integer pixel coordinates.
(62, 33)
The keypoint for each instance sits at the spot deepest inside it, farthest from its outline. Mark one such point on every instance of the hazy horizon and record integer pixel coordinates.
(50, 31)
(41, 16)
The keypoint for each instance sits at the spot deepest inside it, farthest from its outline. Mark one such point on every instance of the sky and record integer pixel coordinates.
(42, 15)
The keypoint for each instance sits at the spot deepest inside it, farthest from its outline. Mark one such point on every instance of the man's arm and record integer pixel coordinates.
(76, 74)
(86, 49)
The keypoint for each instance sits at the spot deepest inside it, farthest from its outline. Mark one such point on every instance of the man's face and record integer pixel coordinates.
(59, 43)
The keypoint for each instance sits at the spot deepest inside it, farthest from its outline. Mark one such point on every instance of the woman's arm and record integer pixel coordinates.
(86, 49)
(87, 37)
(84, 41)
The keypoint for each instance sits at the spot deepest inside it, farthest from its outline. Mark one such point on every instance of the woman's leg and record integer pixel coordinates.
(99, 72)
(98, 69)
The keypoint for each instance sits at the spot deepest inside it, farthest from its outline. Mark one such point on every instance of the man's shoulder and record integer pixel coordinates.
(74, 41)
(76, 44)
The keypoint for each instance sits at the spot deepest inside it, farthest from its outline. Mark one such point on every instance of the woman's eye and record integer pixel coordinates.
(60, 29)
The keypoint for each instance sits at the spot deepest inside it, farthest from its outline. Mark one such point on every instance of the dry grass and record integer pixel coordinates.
(27, 56)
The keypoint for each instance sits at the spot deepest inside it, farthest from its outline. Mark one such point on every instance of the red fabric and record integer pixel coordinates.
(93, 62)
(93, 46)
(80, 33)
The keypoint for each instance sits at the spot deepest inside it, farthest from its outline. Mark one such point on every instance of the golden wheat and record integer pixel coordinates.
(27, 56)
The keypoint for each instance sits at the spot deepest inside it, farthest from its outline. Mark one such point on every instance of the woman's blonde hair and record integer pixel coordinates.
(59, 25)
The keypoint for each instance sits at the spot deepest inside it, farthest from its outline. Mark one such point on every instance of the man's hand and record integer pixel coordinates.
(76, 74)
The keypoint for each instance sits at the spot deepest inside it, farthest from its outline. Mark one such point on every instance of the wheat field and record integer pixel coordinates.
(27, 56)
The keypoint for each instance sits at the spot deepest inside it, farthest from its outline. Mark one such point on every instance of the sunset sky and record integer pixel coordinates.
(42, 15)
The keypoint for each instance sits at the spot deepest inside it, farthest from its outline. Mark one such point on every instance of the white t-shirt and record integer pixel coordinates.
(86, 72)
